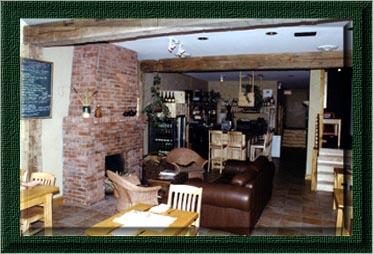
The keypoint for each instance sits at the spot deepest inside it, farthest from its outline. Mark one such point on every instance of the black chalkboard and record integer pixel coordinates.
(36, 88)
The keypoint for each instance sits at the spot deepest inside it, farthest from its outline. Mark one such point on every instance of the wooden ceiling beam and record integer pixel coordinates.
(80, 31)
(311, 60)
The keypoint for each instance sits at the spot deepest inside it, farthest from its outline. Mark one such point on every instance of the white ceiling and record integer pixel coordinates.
(253, 41)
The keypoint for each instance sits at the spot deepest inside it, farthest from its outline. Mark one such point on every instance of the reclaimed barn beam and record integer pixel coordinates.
(310, 60)
(81, 31)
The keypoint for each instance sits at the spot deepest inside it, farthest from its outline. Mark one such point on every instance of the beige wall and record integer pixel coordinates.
(314, 109)
(52, 133)
(171, 81)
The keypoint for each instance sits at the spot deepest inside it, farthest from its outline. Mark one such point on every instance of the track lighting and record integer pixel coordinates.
(181, 50)
(172, 44)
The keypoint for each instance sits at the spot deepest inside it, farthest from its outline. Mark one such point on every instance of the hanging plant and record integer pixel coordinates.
(156, 111)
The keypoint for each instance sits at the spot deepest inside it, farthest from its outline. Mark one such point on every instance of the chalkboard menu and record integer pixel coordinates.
(36, 88)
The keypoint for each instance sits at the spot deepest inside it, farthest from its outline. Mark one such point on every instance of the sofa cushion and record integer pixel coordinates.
(224, 195)
(235, 167)
(243, 178)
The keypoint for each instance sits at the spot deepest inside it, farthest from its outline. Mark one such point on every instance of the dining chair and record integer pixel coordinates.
(187, 198)
(43, 178)
(236, 145)
(217, 150)
(262, 148)
(130, 192)
(34, 214)
(23, 175)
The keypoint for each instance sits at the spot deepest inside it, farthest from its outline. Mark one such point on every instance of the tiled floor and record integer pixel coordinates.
(293, 210)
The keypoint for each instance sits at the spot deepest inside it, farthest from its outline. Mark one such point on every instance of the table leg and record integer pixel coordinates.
(48, 215)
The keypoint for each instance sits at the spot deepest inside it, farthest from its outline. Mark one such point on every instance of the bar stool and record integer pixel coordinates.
(263, 148)
(236, 145)
(217, 150)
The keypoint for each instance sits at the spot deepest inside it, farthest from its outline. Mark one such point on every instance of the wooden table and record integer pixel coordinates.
(181, 226)
(40, 195)
(343, 201)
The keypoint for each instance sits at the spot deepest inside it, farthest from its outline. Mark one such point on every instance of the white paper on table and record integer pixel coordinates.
(144, 220)
(161, 208)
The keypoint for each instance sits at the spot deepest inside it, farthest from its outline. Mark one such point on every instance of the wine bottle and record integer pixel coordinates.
(98, 111)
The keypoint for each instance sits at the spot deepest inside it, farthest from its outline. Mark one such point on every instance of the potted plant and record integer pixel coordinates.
(156, 111)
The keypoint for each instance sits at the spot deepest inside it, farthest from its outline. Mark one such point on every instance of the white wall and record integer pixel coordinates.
(52, 132)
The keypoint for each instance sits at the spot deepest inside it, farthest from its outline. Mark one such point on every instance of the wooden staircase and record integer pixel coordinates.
(327, 160)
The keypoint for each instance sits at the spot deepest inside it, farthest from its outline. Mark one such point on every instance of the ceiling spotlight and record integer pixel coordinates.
(271, 33)
(181, 50)
(202, 38)
(221, 78)
(327, 48)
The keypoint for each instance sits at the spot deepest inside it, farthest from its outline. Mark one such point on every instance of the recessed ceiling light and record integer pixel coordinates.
(304, 34)
(271, 33)
(327, 47)
(202, 38)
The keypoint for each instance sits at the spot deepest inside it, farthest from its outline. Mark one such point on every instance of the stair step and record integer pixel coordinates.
(325, 178)
(331, 152)
(324, 187)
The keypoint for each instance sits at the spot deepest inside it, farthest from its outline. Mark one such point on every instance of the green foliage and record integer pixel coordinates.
(156, 111)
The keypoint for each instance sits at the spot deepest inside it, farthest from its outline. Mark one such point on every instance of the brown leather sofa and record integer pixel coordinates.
(236, 200)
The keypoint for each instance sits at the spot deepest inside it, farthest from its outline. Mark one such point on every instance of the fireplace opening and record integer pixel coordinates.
(115, 163)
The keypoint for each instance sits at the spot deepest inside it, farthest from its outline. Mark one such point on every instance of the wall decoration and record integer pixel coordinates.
(36, 88)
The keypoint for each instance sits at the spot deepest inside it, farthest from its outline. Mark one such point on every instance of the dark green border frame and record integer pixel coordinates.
(359, 12)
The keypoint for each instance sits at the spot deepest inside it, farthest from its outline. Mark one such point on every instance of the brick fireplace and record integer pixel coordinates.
(112, 72)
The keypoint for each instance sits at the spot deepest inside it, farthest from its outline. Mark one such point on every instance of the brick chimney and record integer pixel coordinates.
(113, 72)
